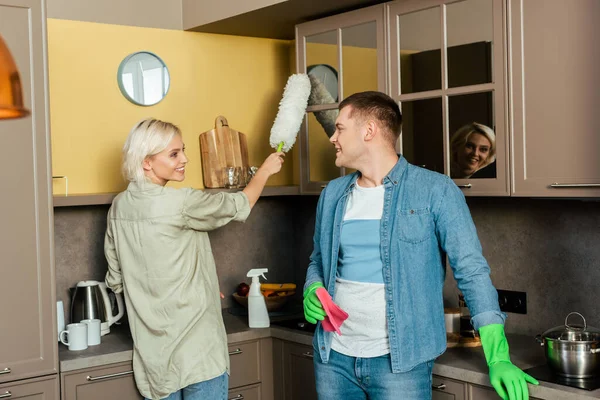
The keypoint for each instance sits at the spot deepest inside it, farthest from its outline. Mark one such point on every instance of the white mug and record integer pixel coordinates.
(60, 317)
(76, 337)
(93, 331)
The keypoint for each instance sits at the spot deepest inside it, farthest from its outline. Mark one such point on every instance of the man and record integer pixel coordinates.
(380, 239)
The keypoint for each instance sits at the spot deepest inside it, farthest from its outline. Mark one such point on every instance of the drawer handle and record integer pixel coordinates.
(236, 352)
(441, 386)
(98, 378)
(238, 397)
(6, 395)
(556, 185)
(467, 186)
(308, 354)
(5, 371)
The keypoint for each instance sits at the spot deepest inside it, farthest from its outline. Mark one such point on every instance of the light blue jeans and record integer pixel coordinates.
(213, 389)
(352, 378)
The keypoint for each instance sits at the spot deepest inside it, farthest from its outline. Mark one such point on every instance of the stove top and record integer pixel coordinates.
(544, 373)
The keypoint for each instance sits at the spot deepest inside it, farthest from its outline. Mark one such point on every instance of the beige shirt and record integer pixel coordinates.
(159, 255)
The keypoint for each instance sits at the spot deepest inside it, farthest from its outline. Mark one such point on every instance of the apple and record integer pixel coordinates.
(242, 289)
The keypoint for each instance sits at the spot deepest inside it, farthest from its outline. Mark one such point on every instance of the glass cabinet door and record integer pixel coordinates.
(447, 73)
(342, 55)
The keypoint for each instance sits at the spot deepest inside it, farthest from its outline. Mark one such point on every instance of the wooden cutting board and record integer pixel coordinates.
(221, 147)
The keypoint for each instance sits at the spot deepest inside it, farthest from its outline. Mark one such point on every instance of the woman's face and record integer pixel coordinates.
(474, 154)
(169, 164)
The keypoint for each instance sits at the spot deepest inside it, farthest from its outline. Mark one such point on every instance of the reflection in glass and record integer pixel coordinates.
(359, 58)
(470, 33)
(420, 44)
(143, 78)
(322, 60)
(472, 136)
(422, 133)
(321, 153)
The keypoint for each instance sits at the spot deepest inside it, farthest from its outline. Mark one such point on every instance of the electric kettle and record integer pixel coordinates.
(90, 301)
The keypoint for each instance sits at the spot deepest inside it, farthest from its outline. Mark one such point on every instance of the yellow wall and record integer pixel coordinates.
(239, 77)
(360, 74)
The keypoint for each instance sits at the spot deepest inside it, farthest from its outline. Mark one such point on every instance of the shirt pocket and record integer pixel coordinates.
(414, 225)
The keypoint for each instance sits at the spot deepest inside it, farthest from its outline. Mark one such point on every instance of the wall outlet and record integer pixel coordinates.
(513, 302)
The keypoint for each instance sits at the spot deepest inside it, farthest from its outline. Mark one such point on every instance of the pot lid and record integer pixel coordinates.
(573, 332)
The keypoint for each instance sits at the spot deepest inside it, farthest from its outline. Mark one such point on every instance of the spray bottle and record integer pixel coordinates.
(258, 317)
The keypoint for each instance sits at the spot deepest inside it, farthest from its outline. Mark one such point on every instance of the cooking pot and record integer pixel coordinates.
(572, 350)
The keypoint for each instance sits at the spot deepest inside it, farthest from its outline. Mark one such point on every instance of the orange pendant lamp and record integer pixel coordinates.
(11, 94)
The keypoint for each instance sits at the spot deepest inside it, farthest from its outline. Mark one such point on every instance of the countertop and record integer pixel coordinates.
(463, 364)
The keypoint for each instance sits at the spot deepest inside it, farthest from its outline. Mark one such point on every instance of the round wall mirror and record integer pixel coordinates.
(143, 78)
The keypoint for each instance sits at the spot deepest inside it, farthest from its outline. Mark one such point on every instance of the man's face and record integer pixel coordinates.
(347, 139)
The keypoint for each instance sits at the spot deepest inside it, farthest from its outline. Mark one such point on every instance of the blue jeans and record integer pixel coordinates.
(352, 378)
(213, 389)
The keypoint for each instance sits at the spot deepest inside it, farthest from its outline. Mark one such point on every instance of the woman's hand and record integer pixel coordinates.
(272, 163)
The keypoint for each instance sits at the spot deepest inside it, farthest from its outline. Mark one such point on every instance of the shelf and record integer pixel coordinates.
(107, 198)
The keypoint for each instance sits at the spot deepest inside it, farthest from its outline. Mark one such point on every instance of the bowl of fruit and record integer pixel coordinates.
(276, 294)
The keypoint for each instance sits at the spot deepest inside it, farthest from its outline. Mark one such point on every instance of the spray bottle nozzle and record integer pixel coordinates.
(255, 273)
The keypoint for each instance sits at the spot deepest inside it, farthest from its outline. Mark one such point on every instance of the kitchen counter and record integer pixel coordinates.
(463, 364)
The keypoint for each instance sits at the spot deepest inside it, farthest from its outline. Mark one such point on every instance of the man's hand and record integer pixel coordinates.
(313, 309)
(508, 380)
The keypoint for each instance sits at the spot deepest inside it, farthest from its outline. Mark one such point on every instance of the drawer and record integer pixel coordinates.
(114, 381)
(486, 393)
(447, 389)
(245, 363)
(31, 389)
(251, 392)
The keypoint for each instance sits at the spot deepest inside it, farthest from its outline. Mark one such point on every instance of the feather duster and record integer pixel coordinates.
(291, 112)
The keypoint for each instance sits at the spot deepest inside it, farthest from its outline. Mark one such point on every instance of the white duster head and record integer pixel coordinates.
(291, 112)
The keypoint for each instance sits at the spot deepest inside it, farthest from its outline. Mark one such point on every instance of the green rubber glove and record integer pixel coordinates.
(508, 380)
(313, 309)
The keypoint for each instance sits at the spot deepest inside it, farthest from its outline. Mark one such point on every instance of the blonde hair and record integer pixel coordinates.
(147, 138)
(462, 135)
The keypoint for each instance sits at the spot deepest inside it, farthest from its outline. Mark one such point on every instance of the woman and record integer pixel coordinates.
(473, 147)
(159, 255)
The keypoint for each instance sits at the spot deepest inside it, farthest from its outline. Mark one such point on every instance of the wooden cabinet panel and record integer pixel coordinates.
(486, 393)
(28, 346)
(251, 392)
(108, 382)
(447, 389)
(555, 97)
(31, 389)
(245, 364)
(298, 372)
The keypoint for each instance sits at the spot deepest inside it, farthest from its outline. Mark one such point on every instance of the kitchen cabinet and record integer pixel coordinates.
(485, 393)
(45, 388)
(27, 284)
(555, 97)
(114, 381)
(294, 371)
(346, 54)
(251, 369)
(448, 389)
(447, 70)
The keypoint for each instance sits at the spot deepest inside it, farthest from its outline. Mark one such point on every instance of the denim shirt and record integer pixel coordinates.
(424, 215)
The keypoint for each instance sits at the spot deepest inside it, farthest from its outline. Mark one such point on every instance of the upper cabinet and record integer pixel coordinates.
(342, 55)
(27, 299)
(555, 97)
(447, 71)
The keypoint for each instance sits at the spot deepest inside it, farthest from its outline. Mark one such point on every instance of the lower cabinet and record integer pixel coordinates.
(251, 370)
(45, 388)
(448, 389)
(293, 372)
(114, 381)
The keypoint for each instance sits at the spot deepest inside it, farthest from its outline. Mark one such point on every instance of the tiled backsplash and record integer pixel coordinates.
(547, 248)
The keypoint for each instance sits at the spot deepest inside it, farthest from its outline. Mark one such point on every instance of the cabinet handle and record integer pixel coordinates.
(5, 371)
(238, 397)
(308, 354)
(6, 395)
(235, 352)
(323, 186)
(467, 186)
(97, 378)
(441, 386)
(556, 185)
